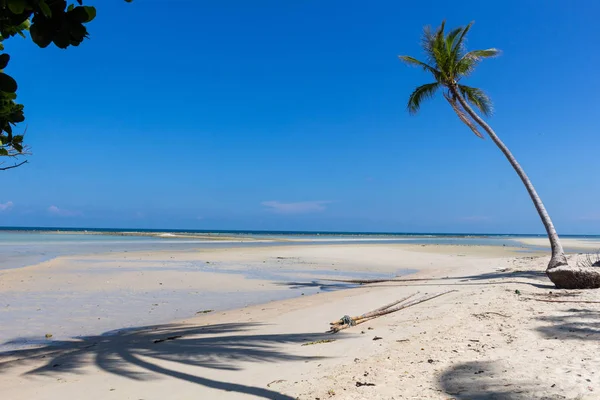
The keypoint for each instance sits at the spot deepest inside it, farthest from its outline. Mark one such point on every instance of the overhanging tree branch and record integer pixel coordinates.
(47, 21)
(13, 166)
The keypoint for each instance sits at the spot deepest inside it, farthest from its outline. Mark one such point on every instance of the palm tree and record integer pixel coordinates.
(449, 62)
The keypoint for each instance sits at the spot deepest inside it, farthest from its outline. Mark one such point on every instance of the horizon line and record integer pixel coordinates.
(275, 231)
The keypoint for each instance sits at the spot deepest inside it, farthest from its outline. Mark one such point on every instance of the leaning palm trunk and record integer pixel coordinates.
(558, 254)
(558, 270)
(449, 62)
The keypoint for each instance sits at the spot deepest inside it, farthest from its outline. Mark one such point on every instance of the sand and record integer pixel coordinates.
(570, 243)
(491, 338)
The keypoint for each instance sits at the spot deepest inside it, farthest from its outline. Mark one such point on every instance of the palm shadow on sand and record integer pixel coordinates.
(572, 324)
(540, 279)
(137, 353)
(483, 380)
(536, 275)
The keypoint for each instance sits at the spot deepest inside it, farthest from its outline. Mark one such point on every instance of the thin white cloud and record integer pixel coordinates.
(6, 206)
(54, 210)
(590, 218)
(302, 207)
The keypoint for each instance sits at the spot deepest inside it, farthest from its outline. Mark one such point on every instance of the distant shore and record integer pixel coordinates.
(269, 233)
(157, 234)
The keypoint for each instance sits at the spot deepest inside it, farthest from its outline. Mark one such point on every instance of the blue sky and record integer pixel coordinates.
(292, 116)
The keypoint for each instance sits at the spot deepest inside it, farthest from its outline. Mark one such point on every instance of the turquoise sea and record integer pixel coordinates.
(26, 246)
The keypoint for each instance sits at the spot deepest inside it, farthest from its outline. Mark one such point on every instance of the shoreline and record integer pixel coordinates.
(277, 350)
(162, 286)
(25, 248)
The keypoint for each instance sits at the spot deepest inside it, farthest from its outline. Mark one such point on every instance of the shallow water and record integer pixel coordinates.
(26, 317)
(22, 248)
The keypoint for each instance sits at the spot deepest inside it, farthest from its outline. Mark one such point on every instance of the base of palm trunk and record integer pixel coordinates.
(566, 277)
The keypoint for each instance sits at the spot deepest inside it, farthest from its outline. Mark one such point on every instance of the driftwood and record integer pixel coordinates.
(372, 313)
(346, 321)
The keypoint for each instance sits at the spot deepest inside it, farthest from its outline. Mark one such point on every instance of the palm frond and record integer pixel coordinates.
(427, 43)
(478, 98)
(440, 52)
(452, 37)
(462, 115)
(442, 27)
(448, 60)
(416, 63)
(479, 54)
(421, 93)
(465, 67)
(456, 48)
(427, 38)
(459, 43)
(467, 63)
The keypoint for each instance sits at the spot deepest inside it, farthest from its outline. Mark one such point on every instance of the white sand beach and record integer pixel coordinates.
(490, 338)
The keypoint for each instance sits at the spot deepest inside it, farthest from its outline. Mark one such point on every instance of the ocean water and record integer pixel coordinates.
(26, 246)
(21, 248)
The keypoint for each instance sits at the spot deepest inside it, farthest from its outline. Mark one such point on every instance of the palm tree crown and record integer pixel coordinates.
(449, 62)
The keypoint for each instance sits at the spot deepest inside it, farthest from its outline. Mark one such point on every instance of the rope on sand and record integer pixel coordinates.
(346, 321)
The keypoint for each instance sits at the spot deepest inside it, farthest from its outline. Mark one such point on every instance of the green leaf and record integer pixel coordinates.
(91, 12)
(7, 83)
(414, 62)
(62, 40)
(421, 93)
(83, 14)
(71, 6)
(451, 38)
(3, 152)
(40, 36)
(459, 43)
(478, 98)
(4, 59)
(78, 32)
(45, 9)
(18, 117)
(487, 53)
(16, 6)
